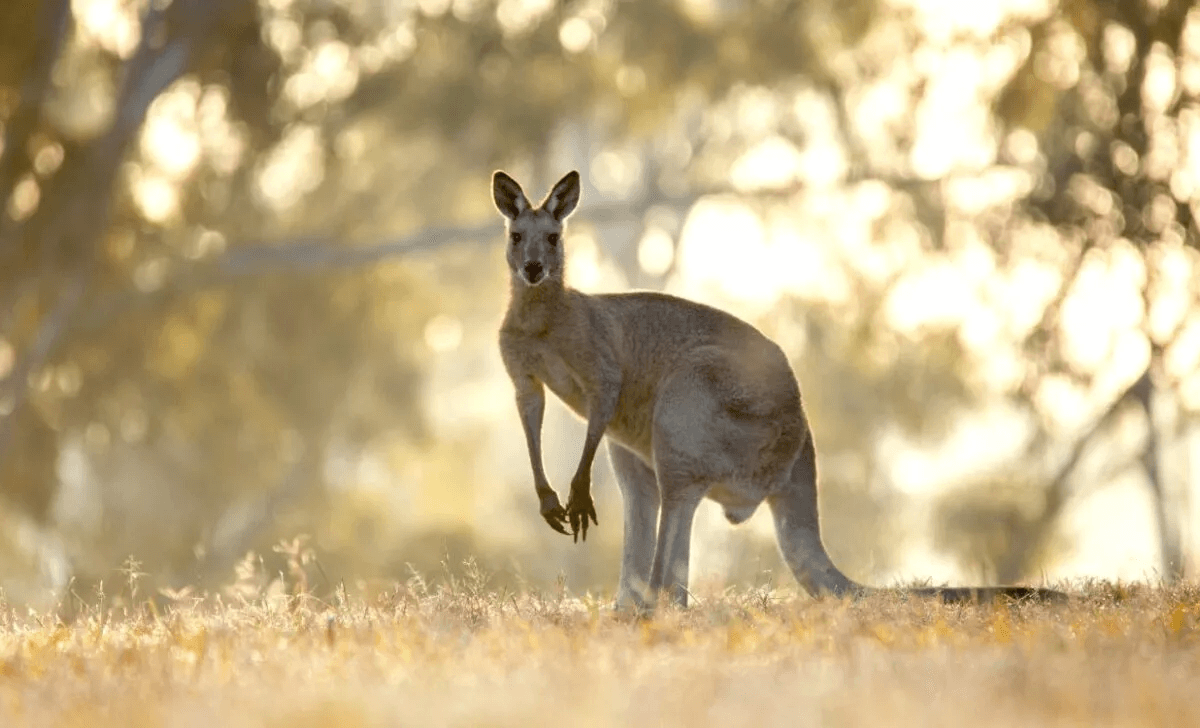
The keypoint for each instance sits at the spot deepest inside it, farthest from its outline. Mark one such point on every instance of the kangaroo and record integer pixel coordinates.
(695, 403)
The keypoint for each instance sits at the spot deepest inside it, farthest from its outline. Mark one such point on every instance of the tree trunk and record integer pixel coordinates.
(1166, 518)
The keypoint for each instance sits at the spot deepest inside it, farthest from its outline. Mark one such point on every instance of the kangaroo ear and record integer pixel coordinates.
(510, 199)
(564, 197)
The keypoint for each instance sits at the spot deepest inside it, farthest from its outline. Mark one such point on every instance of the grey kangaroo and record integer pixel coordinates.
(695, 404)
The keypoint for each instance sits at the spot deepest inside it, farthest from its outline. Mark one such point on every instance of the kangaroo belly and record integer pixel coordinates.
(631, 432)
(572, 397)
(630, 425)
(634, 439)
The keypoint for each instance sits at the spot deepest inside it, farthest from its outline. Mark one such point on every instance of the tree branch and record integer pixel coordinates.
(52, 24)
(325, 254)
(49, 334)
(84, 204)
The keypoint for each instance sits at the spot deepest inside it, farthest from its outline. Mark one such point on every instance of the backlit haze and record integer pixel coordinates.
(868, 207)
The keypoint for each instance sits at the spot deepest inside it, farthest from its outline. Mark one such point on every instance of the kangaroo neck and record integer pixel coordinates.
(532, 308)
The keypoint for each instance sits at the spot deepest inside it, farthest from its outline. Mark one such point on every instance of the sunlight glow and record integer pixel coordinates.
(656, 252)
(617, 172)
(69, 379)
(775, 161)
(1119, 47)
(1189, 62)
(156, 196)
(330, 74)
(7, 357)
(224, 142)
(982, 441)
(1126, 500)
(810, 269)
(1158, 88)
(941, 20)
(170, 140)
(443, 333)
(48, 159)
(338, 72)
(150, 275)
(1064, 405)
(434, 8)
(953, 127)
(89, 106)
(576, 35)
(111, 24)
(1189, 390)
(284, 34)
(586, 270)
(1182, 358)
(26, 196)
(1185, 181)
(204, 243)
(1023, 290)
(398, 44)
(772, 163)
(518, 16)
(1105, 300)
(936, 294)
(975, 194)
(884, 102)
(293, 168)
(756, 111)
(1058, 62)
(723, 245)
(1171, 296)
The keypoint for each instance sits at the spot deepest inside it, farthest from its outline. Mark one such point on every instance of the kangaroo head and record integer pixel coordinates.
(535, 251)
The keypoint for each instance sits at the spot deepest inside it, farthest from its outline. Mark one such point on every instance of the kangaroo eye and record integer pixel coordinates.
(552, 238)
(516, 238)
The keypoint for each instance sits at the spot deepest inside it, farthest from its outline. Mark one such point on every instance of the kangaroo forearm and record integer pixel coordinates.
(600, 414)
(582, 474)
(532, 406)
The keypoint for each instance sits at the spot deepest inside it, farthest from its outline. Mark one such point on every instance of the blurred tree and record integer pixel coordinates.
(202, 342)
(167, 390)
(221, 394)
(1103, 115)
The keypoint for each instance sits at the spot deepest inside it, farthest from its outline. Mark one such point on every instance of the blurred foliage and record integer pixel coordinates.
(1103, 115)
(195, 362)
(166, 395)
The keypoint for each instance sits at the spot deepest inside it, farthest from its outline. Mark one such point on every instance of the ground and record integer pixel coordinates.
(464, 654)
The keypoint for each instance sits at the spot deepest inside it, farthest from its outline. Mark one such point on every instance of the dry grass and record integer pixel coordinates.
(463, 654)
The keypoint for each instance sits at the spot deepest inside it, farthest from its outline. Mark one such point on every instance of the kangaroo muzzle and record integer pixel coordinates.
(534, 272)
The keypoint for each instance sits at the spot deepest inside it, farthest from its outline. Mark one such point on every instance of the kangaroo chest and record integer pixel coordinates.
(555, 373)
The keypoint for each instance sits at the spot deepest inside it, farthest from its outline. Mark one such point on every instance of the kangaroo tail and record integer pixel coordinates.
(794, 508)
(798, 530)
(983, 594)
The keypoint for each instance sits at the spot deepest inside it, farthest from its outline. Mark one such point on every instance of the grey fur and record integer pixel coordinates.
(695, 404)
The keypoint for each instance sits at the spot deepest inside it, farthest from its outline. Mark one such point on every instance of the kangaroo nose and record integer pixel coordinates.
(533, 271)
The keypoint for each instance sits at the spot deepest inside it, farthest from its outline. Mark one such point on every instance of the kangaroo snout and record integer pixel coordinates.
(533, 272)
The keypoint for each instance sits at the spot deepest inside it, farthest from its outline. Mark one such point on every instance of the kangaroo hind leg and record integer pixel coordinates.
(691, 453)
(669, 572)
(639, 495)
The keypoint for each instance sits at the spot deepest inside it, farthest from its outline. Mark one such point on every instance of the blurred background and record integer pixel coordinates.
(251, 277)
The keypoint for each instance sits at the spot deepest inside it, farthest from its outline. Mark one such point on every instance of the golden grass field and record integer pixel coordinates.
(465, 654)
